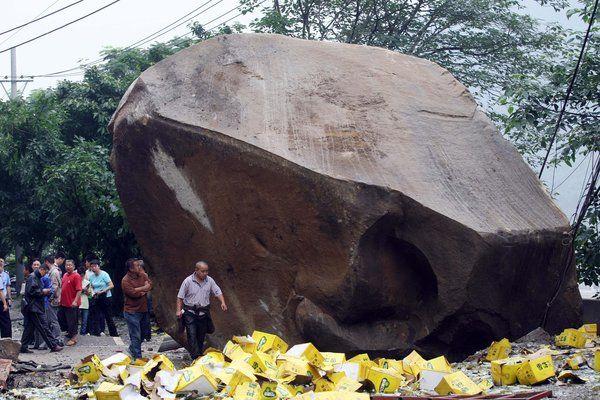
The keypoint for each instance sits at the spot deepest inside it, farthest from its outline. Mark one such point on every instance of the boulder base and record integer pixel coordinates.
(345, 195)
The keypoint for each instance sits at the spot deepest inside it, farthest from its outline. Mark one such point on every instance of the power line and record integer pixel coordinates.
(570, 88)
(572, 172)
(40, 18)
(60, 27)
(42, 13)
(141, 42)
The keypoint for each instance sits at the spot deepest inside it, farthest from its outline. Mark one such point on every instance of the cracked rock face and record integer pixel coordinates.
(345, 195)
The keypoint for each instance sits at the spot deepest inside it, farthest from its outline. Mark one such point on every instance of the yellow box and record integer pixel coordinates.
(384, 380)
(331, 359)
(262, 363)
(597, 361)
(498, 350)
(89, 370)
(247, 343)
(576, 361)
(571, 338)
(108, 391)
(324, 385)
(297, 368)
(247, 391)
(457, 383)
(196, 378)
(386, 363)
(439, 364)
(237, 379)
(504, 372)
(267, 342)
(590, 329)
(346, 384)
(234, 351)
(211, 357)
(360, 358)
(268, 390)
(536, 370)
(413, 364)
(308, 352)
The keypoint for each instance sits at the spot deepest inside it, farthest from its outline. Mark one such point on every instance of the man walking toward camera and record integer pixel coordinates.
(193, 307)
(135, 285)
(6, 297)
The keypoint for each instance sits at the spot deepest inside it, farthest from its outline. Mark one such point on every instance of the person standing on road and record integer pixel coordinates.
(70, 299)
(6, 297)
(46, 284)
(86, 293)
(59, 259)
(135, 285)
(34, 312)
(193, 306)
(52, 311)
(101, 300)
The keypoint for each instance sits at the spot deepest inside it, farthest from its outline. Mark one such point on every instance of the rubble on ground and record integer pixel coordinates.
(263, 366)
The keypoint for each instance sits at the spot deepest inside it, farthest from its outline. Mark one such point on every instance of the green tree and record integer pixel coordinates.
(482, 42)
(533, 104)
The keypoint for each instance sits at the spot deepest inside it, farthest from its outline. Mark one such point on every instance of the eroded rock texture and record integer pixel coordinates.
(346, 195)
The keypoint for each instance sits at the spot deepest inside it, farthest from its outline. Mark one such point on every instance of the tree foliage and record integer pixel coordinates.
(533, 104)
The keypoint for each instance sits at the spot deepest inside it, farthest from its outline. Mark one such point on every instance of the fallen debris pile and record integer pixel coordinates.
(263, 366)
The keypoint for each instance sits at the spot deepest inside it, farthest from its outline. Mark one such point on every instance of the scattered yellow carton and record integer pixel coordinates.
(386, 363)
(597, 361)
(439, 364)
(234, 351)
(196, 378)
(413, 364)
(346, 384)
(247, 391)
(262, 363)
(298, 370)
(247, 343)
(108, 391)
(212, 357)
(308, 352)
(332, 359)
(536, 370)
(457, 383)
(268, 390)
(364, 357)
(591, 330)
(504, 372)
(89, 370)
(571, 338)
(337, 395)
(384, 380)
(498, 350)
(485, 385)
(323, 384)
(267, 342)
(575, 362)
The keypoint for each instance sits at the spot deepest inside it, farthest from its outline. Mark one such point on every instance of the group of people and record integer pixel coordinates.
(56, 297)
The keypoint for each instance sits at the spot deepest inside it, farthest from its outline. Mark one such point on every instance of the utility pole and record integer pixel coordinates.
(14, 79)
(14, 95)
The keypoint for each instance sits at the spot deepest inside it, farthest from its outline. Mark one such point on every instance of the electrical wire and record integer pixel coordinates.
(140, 42)
(177, 40)
(60, 27)
(40, 18)
(40, 14)
(570, 87)
(572, 171)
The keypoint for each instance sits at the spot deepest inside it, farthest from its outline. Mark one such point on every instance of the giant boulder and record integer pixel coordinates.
(346, 195)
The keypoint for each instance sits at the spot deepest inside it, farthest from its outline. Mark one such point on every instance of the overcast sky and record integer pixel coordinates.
(128, 21)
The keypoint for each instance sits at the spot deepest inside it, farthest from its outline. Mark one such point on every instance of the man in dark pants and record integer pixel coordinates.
(34, 312)
(70, 299)
(193, 305)
(135, 285)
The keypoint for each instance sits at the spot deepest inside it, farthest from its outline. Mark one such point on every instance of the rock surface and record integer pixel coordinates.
(345, 195)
